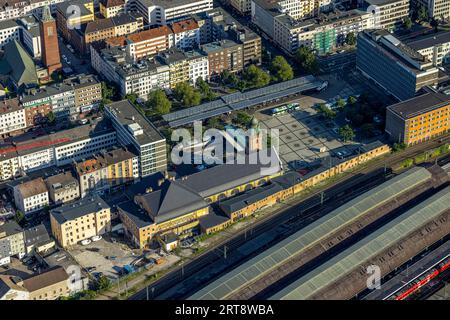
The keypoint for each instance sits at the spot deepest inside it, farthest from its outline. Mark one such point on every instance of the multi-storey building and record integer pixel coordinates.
(321, 34)
(66, 99)
(437, 9)
(218, 24)
(81, 220)
(185, 66)
(19, 8)
(62, 188)
(48, 285)
(101, 29)
(107, 170)
(55, 149)
(224, 55)
(183, 35)
(135, 129)
(111, 8)
(435, 47)
(388, 14)
(11, 241)
(396, 67)
(418, 119)
(31, 196)
(73, 14)
(12, 117)
(161, 12)
(131, 77)
(24, 30)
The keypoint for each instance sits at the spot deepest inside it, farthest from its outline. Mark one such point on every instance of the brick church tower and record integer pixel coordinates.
(49, 42)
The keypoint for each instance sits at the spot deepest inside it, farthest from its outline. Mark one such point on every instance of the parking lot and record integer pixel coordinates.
(107, 256)
(303, 134)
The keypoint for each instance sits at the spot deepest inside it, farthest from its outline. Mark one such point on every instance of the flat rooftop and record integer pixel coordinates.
(169, 3)
(429, 40)
(421, 104)
(128, 116)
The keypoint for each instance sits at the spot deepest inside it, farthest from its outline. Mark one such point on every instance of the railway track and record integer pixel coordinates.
(192, 270)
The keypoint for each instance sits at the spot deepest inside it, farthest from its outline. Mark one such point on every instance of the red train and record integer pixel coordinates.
(415, 285)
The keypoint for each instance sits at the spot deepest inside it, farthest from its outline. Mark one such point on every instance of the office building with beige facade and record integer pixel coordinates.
(111, 8)
(80, 220)
(435, 47)
(388, 14)
(12, 242)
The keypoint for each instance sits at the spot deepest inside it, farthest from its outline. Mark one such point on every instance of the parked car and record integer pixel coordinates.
(96, 238)
(85, 242)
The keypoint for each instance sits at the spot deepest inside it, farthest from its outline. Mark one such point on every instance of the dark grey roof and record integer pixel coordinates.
(250, 197)
(288, 179)
(429, 40)
(18, 64)
(224, 177)
(78, 209)
(421, 104)
(36, 235)
(10, 228)
(136, 214)
(213, 219)
(171, 201)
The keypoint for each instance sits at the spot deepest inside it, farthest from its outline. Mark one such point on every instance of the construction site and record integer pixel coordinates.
(386, 226)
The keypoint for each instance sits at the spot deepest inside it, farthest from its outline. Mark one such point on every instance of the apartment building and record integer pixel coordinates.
(11, 241)
(111, 8)
(223, 55)
(388, 14)
(18, 8)
(162, 12)
(56, 149)
(437, 9)
(62, 188)
(66, 99)
(135, 129)
(418, 119)
(48, 285)
(131, 77)
(184, 35)
(73, 14)
(185, 66)
(12, 117)
(31, 196)
(218, 24)
(435, 47)
(107, 170)
(83, 219)
(396, 67)
(102, 29)
(321, 34)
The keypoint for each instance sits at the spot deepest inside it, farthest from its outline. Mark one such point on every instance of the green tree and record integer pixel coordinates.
(228, 78)
(108, 92)
(326, 112)
(51, 118)
(307, 60)
(352, 100)
(350, 39)
(215, 122)
(19, 216)
(243, 118)
(398, 147)
(340, 103)
(407, 23)
(157, 101)
(103, 283)
(256, 77)
(346, 133)
(281, 70)
(132, 97)
(187, 95)
(423, 14)
(205, 89)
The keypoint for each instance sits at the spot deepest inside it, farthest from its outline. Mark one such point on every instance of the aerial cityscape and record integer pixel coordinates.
(240, 150)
